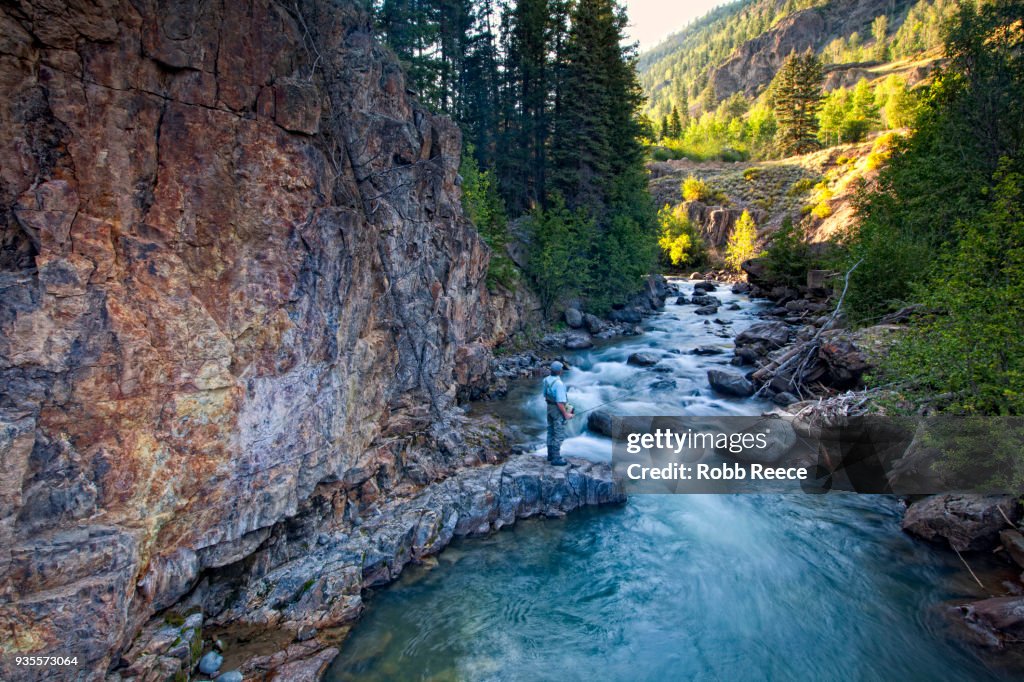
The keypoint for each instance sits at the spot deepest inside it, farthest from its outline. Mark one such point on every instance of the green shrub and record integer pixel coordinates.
(559, 263)
(664, 154)
(972, 348)
(822, 210)
(788, 256)
(753, 174)
(800, 187)
(483, 206)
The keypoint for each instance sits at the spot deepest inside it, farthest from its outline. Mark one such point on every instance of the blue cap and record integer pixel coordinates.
(556, 366)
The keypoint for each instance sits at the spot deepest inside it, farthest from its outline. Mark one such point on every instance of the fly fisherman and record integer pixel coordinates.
(558, 413)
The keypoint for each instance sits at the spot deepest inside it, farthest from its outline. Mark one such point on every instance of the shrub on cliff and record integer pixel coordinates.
(696, 189)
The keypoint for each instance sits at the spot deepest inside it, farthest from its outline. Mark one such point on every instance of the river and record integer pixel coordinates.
(671, 587)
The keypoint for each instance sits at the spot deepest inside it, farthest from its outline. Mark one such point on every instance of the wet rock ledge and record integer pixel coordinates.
(310, 599)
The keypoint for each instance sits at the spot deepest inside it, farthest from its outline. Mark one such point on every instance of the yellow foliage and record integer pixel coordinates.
(742, 245)
(676, 239)
(695, 189)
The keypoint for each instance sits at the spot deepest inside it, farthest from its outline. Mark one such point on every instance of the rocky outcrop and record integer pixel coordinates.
(237, 284)
(752, 65)
(321, 587)
(715, 223)
(965, 522)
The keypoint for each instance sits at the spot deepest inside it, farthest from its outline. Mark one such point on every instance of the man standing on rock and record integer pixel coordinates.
(558, 413)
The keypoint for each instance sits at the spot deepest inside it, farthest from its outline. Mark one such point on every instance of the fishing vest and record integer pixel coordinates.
(549, 391)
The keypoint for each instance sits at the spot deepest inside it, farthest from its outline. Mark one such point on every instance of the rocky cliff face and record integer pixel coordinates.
(752, 66)
(234, 275)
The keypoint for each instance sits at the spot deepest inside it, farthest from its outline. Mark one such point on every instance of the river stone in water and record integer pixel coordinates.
(705, 300)
(210, 663)
(594, 324)
(784, 399)
(573, 318)
(730, 384)
(704, 286)
(629, 315)
(642, 359)
(966, 522)
(770, 334)
(578, 341)
(1013, 543)
(707, 310)
(600, 422)
(707, 350)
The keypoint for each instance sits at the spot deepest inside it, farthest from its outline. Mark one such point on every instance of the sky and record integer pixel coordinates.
(653, 20)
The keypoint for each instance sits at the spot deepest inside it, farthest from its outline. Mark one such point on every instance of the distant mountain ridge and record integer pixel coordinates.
(738, 48)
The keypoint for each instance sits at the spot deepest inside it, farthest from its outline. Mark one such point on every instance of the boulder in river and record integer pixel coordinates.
(630, 315)
(683, 300)
(730, 383)
(578, 341)
(966, 522)
(704, 286)
(600, 422)
(785, 398)
(993, 622)
(594, 324)
(642, 359)
(664, 385)
(746, 356)
(573, 318)
(771, 335)
(704, 299)
(1013, 543)
(707, 350)
(707, 310)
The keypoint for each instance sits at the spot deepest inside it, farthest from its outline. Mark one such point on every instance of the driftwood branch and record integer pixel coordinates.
(801, 354)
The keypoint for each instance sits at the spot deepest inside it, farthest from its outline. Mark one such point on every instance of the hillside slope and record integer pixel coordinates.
(739, 47)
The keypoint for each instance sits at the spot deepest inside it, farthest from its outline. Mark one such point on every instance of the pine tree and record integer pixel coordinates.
(596, 130)
(880, 31)
(675, 124)
(796, 96)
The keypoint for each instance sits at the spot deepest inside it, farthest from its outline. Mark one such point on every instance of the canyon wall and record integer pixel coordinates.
(751, 66)
(234, 270)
